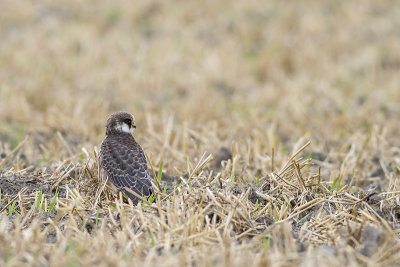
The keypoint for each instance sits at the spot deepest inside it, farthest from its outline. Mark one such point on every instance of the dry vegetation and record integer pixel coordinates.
(276, 125)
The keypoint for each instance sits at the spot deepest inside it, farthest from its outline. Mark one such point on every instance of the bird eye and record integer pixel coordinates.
(128, 121)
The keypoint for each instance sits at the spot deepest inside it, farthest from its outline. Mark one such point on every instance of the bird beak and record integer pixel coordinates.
(134, 125)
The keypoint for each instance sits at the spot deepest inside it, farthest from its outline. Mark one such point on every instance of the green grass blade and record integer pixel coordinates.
(53, 202)
(165, 188)
(305, 217)
(153, 242)
(39, 199)
(151, 198)
(266, 241)
(12, 207)
(334, 183)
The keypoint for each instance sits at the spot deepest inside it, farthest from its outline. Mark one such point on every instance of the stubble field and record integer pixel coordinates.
(271, 129)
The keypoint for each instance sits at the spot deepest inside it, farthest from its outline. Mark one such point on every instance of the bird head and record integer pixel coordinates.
(120, 122)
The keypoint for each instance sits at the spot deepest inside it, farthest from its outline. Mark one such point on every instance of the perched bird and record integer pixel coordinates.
(122, 163)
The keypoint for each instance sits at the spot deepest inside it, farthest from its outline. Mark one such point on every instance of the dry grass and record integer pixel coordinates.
(276, 125)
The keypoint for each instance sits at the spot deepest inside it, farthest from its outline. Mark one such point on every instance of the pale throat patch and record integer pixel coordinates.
(123, 127)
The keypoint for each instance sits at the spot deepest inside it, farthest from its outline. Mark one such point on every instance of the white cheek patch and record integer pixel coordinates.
(123, 127)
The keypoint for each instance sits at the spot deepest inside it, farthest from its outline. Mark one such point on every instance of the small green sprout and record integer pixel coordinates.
(266, 241)
(305, 217)
(11, 208)
(42, 161)
(335, 184)
(152, 197)
(81, 158)
(153, 242)
(165, 188)
(53, 202)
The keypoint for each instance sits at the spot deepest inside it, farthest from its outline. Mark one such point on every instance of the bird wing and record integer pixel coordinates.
(122, 160)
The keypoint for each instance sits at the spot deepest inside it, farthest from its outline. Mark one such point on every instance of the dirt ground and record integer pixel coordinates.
(275, 126)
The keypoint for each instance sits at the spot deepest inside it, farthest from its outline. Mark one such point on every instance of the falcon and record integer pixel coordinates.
(122, 163)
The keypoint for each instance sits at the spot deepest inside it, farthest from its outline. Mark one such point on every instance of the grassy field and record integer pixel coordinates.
(271, 128)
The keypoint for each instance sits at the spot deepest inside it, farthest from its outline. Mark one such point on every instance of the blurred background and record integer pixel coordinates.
(198, 75)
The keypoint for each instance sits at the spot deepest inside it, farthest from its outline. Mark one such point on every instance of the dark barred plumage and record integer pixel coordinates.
(121, 159)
